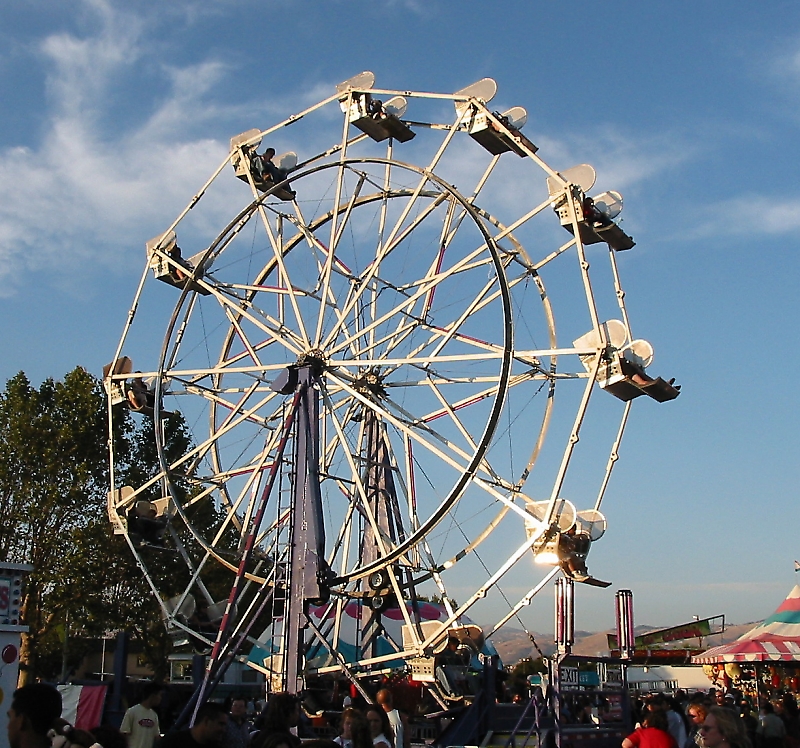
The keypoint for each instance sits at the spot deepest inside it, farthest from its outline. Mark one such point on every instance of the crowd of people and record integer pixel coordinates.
(34, 721)
(703, 720)
(715, 720)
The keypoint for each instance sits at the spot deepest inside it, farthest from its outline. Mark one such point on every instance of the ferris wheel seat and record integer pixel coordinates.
(118, 498)
(614, 236)
(588, 579)
(181, 611)
(145, 532)
(268, 185)
(661, 390)
(499, 139)
(627, 380)
(423, 669)
(146, 509)
(484, 90)
(376, 120)
(594, 223)
(282, 193)
(362, 80)
(115, 389)
(595, 232)
(569, 550)
(249, 139)
(140, 399)
(170, 267)
(217, 610)
(145, 526)
(286, 162)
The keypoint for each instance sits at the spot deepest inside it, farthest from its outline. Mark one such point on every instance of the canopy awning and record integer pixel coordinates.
(777, 639)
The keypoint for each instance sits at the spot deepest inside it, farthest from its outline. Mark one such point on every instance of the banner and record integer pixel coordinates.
(83, 705)
(693, 630)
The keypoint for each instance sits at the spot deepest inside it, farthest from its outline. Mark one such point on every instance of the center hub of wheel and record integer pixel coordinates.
(370, 383)
(316, 359)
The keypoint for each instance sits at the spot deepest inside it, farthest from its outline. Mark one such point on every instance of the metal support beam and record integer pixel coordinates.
(307, 565)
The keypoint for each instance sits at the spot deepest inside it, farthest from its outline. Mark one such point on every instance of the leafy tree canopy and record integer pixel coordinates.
(54, 478)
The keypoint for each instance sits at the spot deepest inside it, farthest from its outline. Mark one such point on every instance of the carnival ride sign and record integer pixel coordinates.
(693, 630)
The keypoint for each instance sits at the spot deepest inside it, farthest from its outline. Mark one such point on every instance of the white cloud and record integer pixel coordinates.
(620, 159)
(80, 193)
(95, 180)
(93, 183)
(80, 69)
(750, 214)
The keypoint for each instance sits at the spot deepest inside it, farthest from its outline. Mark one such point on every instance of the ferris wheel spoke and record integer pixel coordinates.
(423, 286)
(243, 337)
(371, 273)
(212, 397)
(507, 231)
(383, 212)
(252, 484)
(415, 358)
(332, 265)
(186, 316)
(393, 241)
(404, 425)
(362, 491)
(422, 182)
(481, 300)
(470, 547)
(436, 268)
(421, 361)
(239, 307)
(382, 252)
(306, 231)
(552, 256)
(235, 418)
(484, 178)
(335, 235)
(283, 275)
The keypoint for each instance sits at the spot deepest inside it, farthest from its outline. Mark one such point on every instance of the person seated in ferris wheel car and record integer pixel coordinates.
(375, 108)
(575, 547)
(266, 174)
(593, 215)
(140, 398)
(184, 268)
(145, 527)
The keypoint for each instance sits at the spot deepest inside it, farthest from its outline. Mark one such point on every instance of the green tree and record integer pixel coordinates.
(54, 478)
(53, 473)
(518, 677)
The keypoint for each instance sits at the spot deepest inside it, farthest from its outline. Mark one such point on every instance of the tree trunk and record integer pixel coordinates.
(27, 660)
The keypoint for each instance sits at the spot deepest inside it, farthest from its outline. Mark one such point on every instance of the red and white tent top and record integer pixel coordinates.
(776, 639)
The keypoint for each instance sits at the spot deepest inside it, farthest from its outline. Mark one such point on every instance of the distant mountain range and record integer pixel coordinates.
(514, 645)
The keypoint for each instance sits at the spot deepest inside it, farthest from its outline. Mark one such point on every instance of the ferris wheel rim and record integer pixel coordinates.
(505, 358)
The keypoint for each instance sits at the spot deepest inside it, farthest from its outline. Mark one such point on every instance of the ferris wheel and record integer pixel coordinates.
(362, 347)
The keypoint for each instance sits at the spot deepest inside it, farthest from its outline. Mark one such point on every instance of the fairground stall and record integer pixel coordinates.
(764, 660)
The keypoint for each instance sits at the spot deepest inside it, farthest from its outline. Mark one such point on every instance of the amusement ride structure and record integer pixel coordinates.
(362, 346)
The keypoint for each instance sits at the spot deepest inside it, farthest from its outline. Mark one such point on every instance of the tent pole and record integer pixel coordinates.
(758, 687)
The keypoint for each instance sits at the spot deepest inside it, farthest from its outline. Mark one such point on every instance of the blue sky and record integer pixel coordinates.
(114, 114)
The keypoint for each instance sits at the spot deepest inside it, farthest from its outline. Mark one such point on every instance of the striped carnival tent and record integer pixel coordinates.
(776, 639)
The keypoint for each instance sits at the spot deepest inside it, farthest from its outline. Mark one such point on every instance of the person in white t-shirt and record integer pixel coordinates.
(140, 722)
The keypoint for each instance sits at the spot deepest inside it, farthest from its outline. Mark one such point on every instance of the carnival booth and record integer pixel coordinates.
(765, 659)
